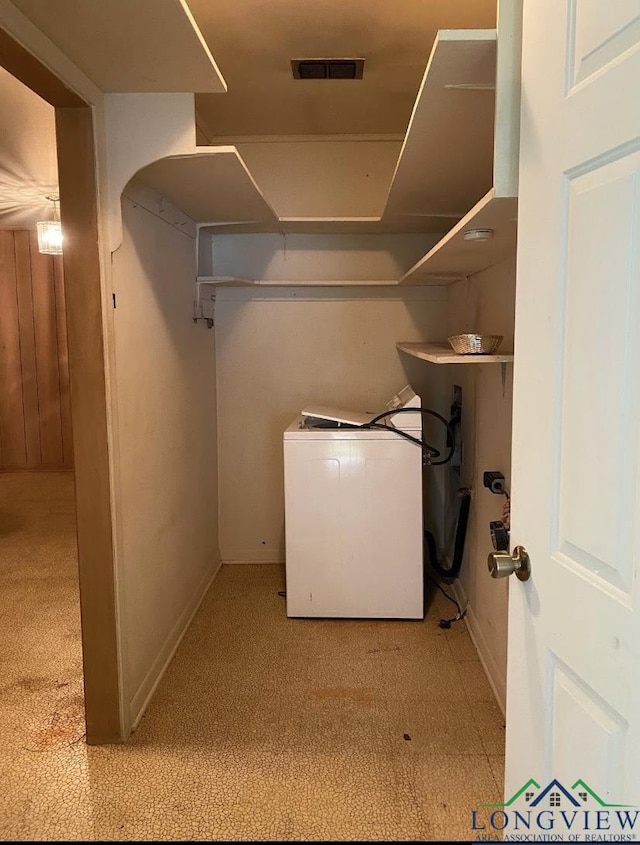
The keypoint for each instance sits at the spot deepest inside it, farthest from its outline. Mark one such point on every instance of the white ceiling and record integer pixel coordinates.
(253, 42)
(28, 166)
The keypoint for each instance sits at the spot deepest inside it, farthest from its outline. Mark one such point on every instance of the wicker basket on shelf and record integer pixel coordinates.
(475, 344)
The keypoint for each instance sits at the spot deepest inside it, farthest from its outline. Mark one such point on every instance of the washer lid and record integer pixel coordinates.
(300, 430)
(409, 400)
(340, 415)
(404, 399)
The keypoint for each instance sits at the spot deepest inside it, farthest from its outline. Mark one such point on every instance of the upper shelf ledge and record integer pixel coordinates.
(497, 134)
(146, 46)
(445, 164)
(460, 152)
(446, 161)
(442, 353)
(454, 257)
(211, 187)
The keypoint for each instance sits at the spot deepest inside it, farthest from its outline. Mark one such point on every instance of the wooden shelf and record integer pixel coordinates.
(125, 47)
(211, 187)
(348, 225)
(226, 281)
(231, 281)
(454, 258)
(394, 224)
(442, 353)
(494, 163)
(308, 226)
(446, 161)
(460, 151)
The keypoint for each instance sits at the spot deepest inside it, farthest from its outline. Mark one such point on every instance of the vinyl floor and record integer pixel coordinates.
(263, 727)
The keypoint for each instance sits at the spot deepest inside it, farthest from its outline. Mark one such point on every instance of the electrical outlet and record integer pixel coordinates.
(494, 480)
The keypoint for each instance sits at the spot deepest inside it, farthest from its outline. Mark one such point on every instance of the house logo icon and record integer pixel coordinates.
(557, 795)
(556, 812)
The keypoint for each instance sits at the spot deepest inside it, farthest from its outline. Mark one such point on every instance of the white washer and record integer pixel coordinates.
(353, 504)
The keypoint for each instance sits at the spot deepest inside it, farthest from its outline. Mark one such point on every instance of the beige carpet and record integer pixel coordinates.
(263, 728)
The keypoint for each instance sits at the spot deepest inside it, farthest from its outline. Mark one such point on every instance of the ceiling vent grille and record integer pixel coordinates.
(327, 68)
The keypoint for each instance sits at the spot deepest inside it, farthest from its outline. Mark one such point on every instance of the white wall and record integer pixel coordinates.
(279, 349)
(141, 128)
(323, 178)
(279, 259)
(29, 171)
(167, 489)
(485, 303)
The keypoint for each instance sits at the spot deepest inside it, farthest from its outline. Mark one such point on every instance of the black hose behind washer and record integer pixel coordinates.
(461, 532)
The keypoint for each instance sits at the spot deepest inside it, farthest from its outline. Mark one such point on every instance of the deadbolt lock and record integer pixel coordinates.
(503, 564)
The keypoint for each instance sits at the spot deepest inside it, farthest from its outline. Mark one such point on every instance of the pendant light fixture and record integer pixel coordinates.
(50, 232)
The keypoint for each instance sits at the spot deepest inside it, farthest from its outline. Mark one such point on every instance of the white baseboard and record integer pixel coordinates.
(254, 561)
(259, 555)
(495, 676)
(140, 701)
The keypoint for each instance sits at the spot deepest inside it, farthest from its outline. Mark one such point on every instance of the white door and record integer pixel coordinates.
(573, 706)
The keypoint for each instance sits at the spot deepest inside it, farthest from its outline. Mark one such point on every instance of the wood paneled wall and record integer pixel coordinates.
(35, 413)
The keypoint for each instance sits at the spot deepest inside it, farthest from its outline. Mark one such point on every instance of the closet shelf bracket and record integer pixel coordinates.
(204, 304)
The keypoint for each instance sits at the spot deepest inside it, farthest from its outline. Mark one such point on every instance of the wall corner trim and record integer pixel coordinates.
(497, 679)
(142, 697)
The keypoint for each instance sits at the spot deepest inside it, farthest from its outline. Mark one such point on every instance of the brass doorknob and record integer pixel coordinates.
(503, 564)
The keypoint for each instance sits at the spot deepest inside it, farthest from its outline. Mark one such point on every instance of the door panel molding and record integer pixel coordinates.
(597, 37)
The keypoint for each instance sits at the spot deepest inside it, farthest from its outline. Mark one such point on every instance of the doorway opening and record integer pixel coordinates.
(55, 318)
(44, 699)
